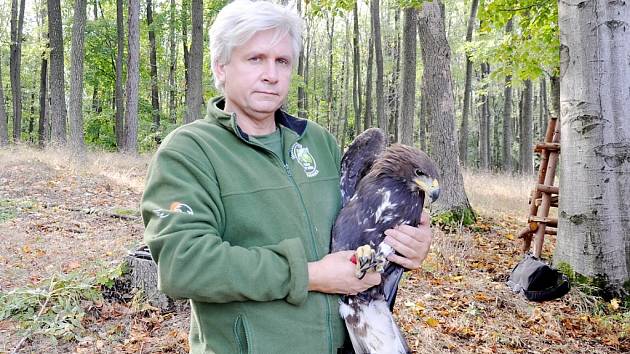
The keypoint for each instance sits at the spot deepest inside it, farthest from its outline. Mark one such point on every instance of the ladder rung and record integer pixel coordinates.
(548, 189)
(544, 220)
(547, 146)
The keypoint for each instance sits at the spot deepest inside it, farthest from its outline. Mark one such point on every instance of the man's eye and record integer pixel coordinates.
(254, 59)
(284, 61)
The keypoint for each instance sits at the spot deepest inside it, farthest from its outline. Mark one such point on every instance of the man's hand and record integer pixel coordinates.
(335, 274)
(412, 243)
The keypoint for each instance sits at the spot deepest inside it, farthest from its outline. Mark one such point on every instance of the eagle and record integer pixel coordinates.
(381, 188)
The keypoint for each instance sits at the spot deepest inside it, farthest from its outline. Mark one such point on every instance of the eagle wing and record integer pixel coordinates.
(358, 159)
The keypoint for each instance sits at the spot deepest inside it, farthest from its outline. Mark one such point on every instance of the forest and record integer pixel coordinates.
(90, 88)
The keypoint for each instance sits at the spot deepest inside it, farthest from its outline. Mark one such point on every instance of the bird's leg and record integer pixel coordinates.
(380, 259)
(363, 257)
(367, 259)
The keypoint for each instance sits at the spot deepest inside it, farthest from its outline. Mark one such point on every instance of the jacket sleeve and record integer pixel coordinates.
(183, 216)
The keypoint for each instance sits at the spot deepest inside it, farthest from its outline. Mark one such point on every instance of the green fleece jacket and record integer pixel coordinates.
(232, 227)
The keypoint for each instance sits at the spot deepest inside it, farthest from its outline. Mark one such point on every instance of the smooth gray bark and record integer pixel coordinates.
(58, 113)
(526, 156)
(594, 213)
(75, 103)
(133, 77)
(408, 79)
(438, 85)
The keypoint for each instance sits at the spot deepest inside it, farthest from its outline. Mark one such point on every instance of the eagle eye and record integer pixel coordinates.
(418, 172)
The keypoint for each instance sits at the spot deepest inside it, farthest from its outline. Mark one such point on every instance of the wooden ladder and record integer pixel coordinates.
(545, 194)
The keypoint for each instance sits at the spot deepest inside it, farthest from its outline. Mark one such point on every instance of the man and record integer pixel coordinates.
(238, 207)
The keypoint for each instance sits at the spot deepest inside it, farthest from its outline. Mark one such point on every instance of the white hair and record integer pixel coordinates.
(240, 20)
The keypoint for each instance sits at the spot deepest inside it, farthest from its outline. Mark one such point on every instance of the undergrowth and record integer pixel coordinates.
(56, 307)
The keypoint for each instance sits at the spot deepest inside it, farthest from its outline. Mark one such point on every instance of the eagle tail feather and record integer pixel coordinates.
(371, 327)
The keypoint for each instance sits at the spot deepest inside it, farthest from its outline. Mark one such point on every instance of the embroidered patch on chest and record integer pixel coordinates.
(301, 154)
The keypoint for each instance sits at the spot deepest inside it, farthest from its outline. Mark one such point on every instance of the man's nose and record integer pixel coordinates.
(270, 74)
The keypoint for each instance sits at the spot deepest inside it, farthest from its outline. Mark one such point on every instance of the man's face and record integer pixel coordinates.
(256, 80)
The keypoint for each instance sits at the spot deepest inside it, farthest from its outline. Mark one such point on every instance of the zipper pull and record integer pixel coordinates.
(286, 168)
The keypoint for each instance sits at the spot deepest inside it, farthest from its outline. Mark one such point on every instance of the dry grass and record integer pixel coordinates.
(127, 170)
(493, 194)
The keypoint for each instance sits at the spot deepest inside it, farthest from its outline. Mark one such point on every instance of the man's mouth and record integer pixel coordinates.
(267, 93)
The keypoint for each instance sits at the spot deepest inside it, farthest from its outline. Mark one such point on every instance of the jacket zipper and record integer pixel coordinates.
(289, 174)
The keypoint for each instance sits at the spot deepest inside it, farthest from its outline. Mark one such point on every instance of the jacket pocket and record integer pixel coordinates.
(242, 335)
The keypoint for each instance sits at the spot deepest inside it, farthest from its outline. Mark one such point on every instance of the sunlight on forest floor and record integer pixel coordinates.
(493, 194)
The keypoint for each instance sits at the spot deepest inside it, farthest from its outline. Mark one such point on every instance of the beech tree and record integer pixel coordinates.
(437, 84)
(594, 213)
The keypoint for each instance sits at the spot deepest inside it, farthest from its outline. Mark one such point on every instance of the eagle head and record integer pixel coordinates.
(411, 166)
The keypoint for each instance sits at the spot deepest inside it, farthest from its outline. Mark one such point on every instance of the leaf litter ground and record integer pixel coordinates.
(60, 217)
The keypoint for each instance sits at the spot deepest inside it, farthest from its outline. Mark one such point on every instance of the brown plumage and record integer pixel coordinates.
(390, 190)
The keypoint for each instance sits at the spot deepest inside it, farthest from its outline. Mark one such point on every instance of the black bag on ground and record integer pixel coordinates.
(537, 281)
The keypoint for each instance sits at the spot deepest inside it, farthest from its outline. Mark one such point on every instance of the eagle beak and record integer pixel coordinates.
(430, 186)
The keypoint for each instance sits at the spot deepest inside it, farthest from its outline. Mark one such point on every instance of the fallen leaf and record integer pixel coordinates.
(432, 322)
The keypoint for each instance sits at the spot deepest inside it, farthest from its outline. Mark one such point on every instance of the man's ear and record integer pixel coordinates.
(219, 71)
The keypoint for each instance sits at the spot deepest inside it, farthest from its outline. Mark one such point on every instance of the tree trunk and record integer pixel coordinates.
(463, 131)
(43, 131)
(381, 119)
(330, 29)
(301, 92)
(185, 20)
(172, 88)
(437, 83)
(526, 142)
(76, 78)
(367, 122)
(57, 83)
(195, 88)
(544, 108)
(119, 94)
(422, 121)
(15, 63)
(133, 77)
(555, 95)
(343, 112)
(4, 133)
(484, 122)
(356, 69)
(392, 103)
(155, 95)
(408, 80)
(594, 213)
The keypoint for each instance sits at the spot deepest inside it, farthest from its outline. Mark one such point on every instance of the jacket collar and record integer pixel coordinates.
(215, 109)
